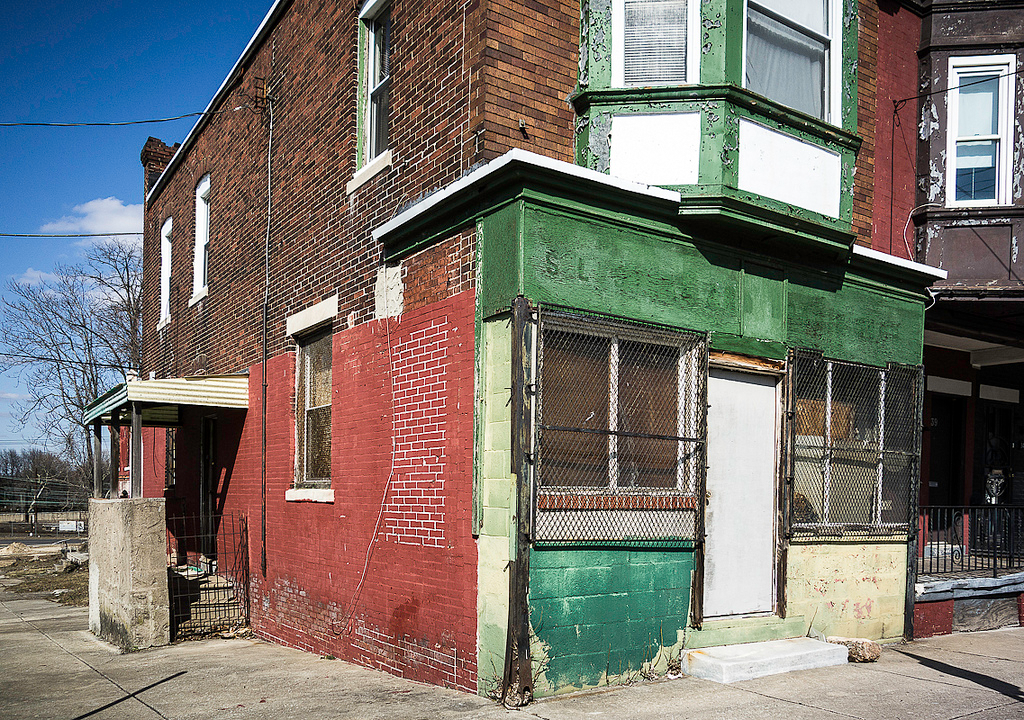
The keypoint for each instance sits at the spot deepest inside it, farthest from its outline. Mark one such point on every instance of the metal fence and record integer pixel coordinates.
(68, 525)
(208, 574)
(619, 431)
(854, 445)
(971, 540)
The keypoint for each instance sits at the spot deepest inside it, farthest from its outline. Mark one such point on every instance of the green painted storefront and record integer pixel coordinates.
(604, 614)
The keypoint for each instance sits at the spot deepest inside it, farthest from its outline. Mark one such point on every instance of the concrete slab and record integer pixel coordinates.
(732, 663)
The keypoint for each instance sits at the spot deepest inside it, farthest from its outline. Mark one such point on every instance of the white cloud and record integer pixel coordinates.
(10, 396)
(99, 216)
(35, 277)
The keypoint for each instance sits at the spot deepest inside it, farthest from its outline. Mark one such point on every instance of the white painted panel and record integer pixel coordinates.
(949, 386)
(787, 169)
(992, 392)
(662, 149)
(739, 563)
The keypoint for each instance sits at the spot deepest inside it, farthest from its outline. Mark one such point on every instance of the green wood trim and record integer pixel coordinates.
(667, 98)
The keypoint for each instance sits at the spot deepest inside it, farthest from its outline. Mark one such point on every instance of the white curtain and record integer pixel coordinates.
(784, 64)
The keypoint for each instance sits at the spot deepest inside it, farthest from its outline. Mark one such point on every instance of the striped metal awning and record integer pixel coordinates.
(159, 400)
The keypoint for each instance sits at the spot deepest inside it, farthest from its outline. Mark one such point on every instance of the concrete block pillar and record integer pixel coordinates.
(128, 598)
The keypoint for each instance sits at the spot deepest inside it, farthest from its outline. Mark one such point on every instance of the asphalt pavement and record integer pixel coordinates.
(52, 667)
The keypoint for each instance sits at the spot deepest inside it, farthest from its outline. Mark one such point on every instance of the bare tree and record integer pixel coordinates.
(71, 337)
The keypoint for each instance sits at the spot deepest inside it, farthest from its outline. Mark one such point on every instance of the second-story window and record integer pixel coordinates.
(378, 77)
(654, 42)
(165, 272)
(201, 257)
(980, 129)
(789, 53)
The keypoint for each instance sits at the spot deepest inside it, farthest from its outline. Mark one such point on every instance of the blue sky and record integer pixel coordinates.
(97, 61)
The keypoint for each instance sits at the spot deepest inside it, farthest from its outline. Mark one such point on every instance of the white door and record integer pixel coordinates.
(739, 559)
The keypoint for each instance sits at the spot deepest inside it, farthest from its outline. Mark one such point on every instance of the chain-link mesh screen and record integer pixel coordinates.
(854, 445)
(313, 418)
(620, 430)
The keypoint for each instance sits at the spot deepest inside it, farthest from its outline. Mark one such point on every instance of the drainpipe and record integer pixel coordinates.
(266, 305)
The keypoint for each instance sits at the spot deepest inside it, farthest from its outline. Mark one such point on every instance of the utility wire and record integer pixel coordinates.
(120, 123)
(62, 361)
(65, 235)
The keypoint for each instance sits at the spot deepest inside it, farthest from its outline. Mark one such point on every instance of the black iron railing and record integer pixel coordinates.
(980, 540)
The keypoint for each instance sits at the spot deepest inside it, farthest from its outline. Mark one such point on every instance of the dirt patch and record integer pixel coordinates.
(65, 583)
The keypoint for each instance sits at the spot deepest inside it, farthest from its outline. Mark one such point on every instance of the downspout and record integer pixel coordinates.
(263, 364)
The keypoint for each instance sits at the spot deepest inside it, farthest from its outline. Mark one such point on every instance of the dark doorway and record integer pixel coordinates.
(207, 490)
(946, 458)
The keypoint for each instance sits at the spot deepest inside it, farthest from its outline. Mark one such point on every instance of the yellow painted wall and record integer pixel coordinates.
(856, 589)
(496, 503)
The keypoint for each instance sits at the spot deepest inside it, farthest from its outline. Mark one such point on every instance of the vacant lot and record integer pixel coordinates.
(66, 583)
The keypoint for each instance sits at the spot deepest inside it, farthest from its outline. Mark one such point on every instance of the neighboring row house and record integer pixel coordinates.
(969, 220)
(538, 343)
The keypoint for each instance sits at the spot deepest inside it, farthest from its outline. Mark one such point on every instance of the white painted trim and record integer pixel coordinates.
(315, 495)
(199, 295)
(368, 171)
(949, 386)
(314, 315)
(372, 8)
(882, 257)
(992, 392)
(524, 157)
(1006, 66)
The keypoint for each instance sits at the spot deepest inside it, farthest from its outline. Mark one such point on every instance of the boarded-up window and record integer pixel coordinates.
(854, 445)
(170, 457)
(620, 429)
(313, 416)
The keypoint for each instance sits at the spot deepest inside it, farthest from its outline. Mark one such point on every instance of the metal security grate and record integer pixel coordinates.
(855, 445)
(620, 429)
(208, 575)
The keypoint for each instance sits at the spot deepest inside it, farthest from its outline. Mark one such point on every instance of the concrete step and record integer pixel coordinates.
(732, 631)
(732, 663)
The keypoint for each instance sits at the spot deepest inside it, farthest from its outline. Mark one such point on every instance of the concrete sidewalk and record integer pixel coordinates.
(52, 667)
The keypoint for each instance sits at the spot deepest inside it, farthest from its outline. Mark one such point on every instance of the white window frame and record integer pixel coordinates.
(165, 273)
(367, 16)
(619, 42)
(961, 70)
(833, 104)
(201, 254)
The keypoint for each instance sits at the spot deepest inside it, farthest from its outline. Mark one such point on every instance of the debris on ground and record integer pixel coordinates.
(861, 649)
(68, 587)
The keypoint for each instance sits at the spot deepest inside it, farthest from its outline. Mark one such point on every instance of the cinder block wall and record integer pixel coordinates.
(128, 600)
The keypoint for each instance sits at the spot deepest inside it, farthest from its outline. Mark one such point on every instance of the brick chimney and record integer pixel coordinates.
(155, 156)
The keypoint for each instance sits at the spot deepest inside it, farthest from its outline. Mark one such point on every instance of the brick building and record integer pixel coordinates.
(538, 343)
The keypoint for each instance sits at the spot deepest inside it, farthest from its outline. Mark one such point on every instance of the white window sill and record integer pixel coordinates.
(163, 323)
(199, 295)
(309, 495)
(365, 173)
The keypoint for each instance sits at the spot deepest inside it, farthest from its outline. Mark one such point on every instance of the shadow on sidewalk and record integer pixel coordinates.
(129, 696)
(986, 681)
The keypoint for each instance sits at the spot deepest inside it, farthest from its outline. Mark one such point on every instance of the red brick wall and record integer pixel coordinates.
(933, 618)
(899, 36)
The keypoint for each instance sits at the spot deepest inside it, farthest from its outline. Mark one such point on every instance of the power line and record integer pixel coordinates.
(120, 123)
(62, 361)
(65, 235)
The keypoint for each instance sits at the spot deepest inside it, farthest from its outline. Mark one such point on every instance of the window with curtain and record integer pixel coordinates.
(788, 53)
(201, 257)
(980, 105)
(379, 82)
(165, 272)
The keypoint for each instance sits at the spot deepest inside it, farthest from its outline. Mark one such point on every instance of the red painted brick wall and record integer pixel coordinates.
(899, 37)
(933, 618)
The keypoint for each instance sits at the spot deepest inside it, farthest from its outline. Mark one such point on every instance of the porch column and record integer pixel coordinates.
(97, 460)
(136, 453)
(115, 450)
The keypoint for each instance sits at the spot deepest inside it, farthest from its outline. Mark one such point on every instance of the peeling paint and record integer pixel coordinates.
(929, 120)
